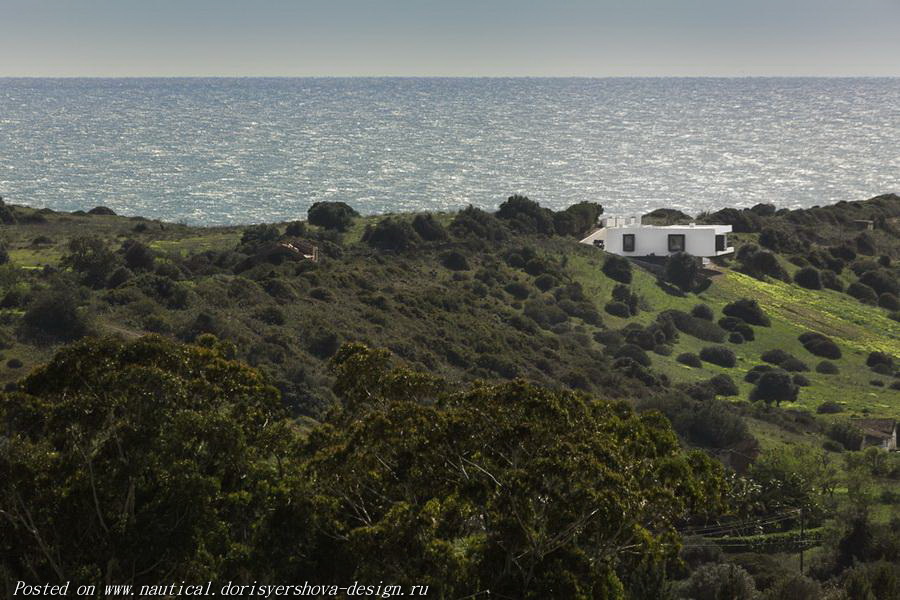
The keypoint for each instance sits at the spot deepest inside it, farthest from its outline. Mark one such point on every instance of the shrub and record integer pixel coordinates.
(271, 315)
(54, 315)
(545, 282)
(536, 266)
(880, 358)
(331, 215)
(118, 277)
(617, 268)
(865, 243)
(724, 385)
(546, 314)
(577, 219)
(809, 278)
(827, 368)
(735, 338)
(702, 311)
(633, 352)
(102, 210)
(863, 293)
(138, 257)
(526, 216)
(428, 228)
(391, 234)
(690, 359)
(90, 257)
(295, 229)
(719, 581)
(756, 372)
(14, 363)
(760, 263)
(737, 325)
(775, 386)
(698, 328)
(876, 382)
(663, 349)
(829, 407)
(889, 301)
(793, 365)
(830, 280)
(622, 293)
(719, 355)
(682, 269)
(775, 356)
(801, 380)
(880, 280)
(779, 240)
(846, 433)
(517, 290)
(748, 310)
(617, 309)
(476, 224)
(820, 345)
(455, 261)
(832, 446)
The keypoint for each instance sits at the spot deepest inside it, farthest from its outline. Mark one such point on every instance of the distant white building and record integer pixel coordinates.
(627, 237)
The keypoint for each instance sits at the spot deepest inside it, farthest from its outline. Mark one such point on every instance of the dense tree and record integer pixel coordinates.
(617, 268)
(520, 490)
(332, 215)
(577, 219)
(90, 256)
(140, 462)
(683, 270)
(526, 216)
(391, 234)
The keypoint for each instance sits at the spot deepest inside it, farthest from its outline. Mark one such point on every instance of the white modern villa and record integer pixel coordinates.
(626, 236)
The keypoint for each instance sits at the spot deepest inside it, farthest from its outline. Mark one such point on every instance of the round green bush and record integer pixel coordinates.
(546, 282)
(820, 345)
(690, 359)
(455, 261)
(801, 380)
(618, 309)
(827, 368)
(776, 356)
(756, 372)
(793, 365)
(863, 293)
(830, 407)
(748, 310)
(876, 382)
(14, 363)
(702, 311)
(889, 301)
(663, 349)
(832, 446)
(633, 352)
(831, 281)
(735, 338)
(718, 355)
(724, 385)
(617, 268)
(809, 278)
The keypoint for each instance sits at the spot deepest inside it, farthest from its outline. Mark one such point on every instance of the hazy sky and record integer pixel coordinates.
(452, 37)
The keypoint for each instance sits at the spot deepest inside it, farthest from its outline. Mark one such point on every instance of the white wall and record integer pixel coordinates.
(699, 241)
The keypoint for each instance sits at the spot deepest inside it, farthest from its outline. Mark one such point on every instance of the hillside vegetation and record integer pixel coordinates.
(760, 359)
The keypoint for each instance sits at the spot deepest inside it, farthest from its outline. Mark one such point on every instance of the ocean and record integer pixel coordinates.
(232, 151)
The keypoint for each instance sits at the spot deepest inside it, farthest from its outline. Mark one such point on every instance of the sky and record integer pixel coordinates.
(591, 38)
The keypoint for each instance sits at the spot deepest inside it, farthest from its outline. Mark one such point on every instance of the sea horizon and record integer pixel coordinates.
(223, 150)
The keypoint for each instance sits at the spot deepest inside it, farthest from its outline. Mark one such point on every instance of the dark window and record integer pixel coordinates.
(720, 243)
(628, 242)
(676, 242)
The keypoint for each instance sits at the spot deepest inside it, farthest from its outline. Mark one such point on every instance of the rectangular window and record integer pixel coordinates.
(628, 242)
(721, 244)
(676, 242)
